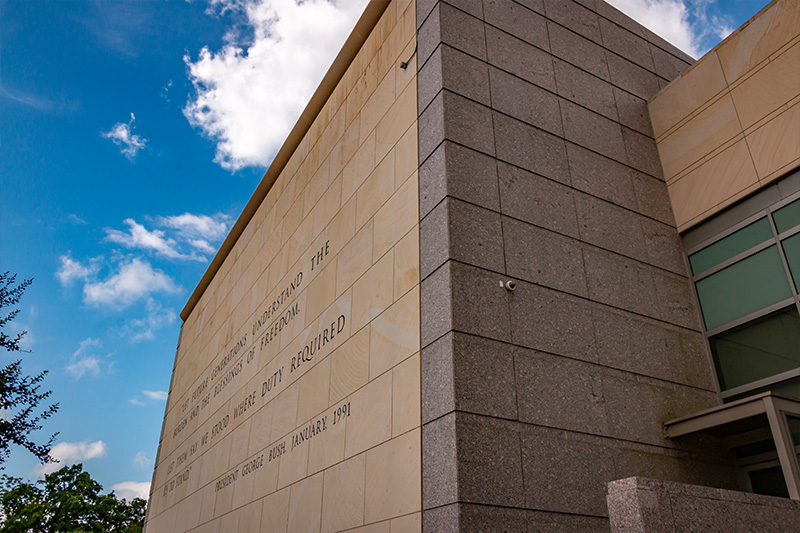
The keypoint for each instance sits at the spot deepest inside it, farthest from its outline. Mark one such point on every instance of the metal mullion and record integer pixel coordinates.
(733, 260)
(788, 272)
(791, 232)
(777, 378)
(752, 316)
(784, 447)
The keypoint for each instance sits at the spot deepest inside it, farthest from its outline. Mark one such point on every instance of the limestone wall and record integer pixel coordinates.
(295, 402)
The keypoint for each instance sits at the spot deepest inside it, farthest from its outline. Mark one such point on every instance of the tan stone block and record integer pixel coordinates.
(364, 86)
(377, 105)
(305, 504)
(350, 366)
(250, 517)
(756, 41)
(265, 478)
(327, 448)
(406, 263)
(395, 334)
(394, 478)
(399, 117)
(239, 438)
(285, 412)
(378, 527)
(300, 241)
(406, 158)
(343, 495)
(343, 225)
(719, 178)
(769, 88)
(222, 450)
(207, 508)
(411, 523)
(244, 487)
(374, 291)
(292, 219)
(396, 217)
(314, 387)
(224, 501)
(321, 291)
(375, 190)
(294, 463)
(275, 513)
(189, 511)
(370, 422)
(699, 136)
(345, 148)
(406, 395)
(316, 187)
(328, 207)
(406, 76)
(776, 143)
(355, 259)
(359, 167)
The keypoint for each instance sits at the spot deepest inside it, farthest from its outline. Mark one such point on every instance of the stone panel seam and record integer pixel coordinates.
(581, 240)
(637, 375)
(592, 436)
(502, 274)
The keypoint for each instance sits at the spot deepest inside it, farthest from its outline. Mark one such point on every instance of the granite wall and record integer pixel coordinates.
(538, 165)
(638, 505)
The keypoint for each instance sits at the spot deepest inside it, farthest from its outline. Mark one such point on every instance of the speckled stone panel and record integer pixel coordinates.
(538, 166)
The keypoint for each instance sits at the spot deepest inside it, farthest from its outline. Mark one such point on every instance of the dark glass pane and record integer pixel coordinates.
(755, 448)
(743, 288)
(769, 481)
(732, 245)
(789, 388)
(758, 349)
(791, 247)
(787, 216)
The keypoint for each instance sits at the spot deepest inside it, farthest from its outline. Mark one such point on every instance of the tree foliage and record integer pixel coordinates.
(67, 500)
(20, 395)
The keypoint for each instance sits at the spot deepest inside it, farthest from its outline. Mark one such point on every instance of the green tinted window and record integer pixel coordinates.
(732, 245)
(791, 247)
(787, 216)
(743, 288)
(758, 349)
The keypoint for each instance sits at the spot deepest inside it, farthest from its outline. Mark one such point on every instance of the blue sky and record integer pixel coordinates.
(132, 134)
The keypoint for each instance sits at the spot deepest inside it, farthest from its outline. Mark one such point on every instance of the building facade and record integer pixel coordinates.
(512, 252)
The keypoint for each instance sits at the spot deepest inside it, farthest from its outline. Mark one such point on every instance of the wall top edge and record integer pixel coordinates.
(366, 23)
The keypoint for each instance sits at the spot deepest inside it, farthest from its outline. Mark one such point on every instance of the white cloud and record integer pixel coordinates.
(686, 24)
(68, 453)
(82, 362)
(75, 219)
(129, 143)
(140, 237)
(135, 280)
(142, 329)
(198, 226)
(141, 460)
(249, 96)
(667, 18)
(128, 490)
(71, 270)
(86, 365)
(155, 394)
(150, 397)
